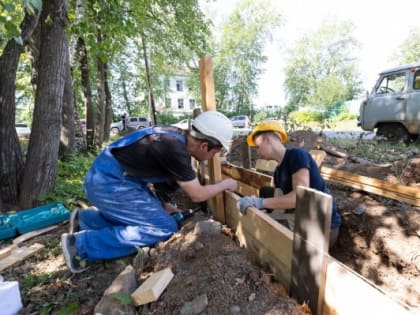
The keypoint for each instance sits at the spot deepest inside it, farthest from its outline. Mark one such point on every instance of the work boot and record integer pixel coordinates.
(74, 222)
(74, 262)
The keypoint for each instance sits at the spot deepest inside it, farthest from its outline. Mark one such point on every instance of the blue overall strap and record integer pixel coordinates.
(171, 133)
(141, 133)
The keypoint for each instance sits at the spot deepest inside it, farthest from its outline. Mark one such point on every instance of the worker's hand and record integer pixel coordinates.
(171, 208)
(230, 184)
(246, 202)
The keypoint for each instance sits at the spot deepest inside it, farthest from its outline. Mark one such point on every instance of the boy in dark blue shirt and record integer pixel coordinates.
(296, 167)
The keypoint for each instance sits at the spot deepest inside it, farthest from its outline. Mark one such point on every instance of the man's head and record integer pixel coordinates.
(267, 126)
(268, 138)
(211, 131)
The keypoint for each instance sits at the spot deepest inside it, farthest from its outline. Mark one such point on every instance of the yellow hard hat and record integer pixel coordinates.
(267, 125)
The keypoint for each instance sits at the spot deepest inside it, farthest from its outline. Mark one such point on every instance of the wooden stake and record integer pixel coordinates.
(208, 100)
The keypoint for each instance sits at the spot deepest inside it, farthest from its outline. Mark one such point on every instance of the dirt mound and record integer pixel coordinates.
(210, 266)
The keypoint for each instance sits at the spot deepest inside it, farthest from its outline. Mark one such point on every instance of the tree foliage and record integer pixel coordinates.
(322, 69)
(239, 55)
(409, 50)
(11, 15)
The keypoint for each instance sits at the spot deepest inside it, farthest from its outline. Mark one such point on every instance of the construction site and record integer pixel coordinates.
(224, 262)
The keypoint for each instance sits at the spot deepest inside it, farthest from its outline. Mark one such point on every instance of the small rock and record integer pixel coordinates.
(252, 297)
(208, 227)
(235, 309)
(360, 209)
(198, 245)
(196, 306)
(153, 252)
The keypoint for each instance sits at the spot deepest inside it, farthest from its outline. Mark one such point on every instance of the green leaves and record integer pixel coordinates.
(321, 71)
(11, 15)
(239, 58)
(122, 297)
(409, 50)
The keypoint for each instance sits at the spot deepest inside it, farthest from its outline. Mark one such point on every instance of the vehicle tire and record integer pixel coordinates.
(114, 131)
(393, 132)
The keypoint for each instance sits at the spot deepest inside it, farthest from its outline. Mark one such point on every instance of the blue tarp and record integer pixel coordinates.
(32, 219)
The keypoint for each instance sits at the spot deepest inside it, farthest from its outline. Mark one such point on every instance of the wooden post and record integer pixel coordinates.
(245, 155)
(208, 100)
(310, 247)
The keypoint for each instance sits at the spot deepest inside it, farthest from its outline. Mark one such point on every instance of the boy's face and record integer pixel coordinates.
(262, 144)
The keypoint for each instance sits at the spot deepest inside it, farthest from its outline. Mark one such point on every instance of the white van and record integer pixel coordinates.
(393, 106)
(133, 123)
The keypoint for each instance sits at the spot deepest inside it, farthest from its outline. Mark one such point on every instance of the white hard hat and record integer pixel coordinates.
(215, 125)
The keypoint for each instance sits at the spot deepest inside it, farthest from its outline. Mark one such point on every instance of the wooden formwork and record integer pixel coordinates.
(344, 291)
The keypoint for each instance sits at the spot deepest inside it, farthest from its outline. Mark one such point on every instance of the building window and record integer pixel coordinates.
(179, 85)
(167, 84)
(192, 103)
(168, 102)
(180, 103)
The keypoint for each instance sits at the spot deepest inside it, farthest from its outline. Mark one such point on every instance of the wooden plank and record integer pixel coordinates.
(208, 100)
(310, 242)
(319, 156)
(6, 251)
(251, 177)
(245, 155)
(407, 194)
(18, 254)
(29, 235)
(348, 293)
(153, 287)
(243, 188)
(266, 165)
(262, 235)
(402, 193)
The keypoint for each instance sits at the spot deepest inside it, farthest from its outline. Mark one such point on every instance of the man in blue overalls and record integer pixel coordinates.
(129, 214)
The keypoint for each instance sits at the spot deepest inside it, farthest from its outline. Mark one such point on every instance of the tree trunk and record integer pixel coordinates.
(87, 92)
(149, 84)
(11, 157)
(41, 164)
(100, 108)
(108, 104)
(67, 138)
(125, 95)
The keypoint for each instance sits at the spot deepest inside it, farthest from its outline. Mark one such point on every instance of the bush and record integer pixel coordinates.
(305, 116)
(345, 116)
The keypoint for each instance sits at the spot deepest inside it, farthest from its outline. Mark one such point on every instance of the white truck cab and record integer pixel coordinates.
(393, 106)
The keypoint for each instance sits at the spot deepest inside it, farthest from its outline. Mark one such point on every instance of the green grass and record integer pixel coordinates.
(376, 151)
(69, 186)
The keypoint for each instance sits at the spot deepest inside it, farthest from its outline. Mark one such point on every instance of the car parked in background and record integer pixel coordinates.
(183, 124)
(241, 121)
(393, 105)
(22, 130)
(132, 122)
